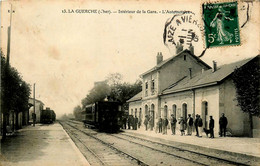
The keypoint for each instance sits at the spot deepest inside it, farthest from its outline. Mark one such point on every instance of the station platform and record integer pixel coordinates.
(41, 145)
(239, 146)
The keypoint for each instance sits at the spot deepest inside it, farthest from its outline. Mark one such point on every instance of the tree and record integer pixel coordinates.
(77, 112)
(114, 79)
(122, 91)
(113, 88)
(125, 91)
(23, 94)
(14, 92)
(247, 83)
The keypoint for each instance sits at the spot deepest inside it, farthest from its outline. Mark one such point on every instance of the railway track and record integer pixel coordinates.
(200, 158)
(92, 154)
(168, 153)
(98, 152)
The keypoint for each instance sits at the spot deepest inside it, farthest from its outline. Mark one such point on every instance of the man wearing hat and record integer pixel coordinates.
(223, 125)
(211, 126)
(173, 124)
(196, 125)
(189, 124)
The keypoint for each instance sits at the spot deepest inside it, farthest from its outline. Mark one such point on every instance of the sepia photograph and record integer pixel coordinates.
(134, 82)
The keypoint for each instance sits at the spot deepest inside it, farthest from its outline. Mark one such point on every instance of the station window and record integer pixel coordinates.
(184, 57)
(146, 88)
(152, 86)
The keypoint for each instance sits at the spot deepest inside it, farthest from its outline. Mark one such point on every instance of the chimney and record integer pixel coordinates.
(191, 48)
(159, 57)
(190, 72)
(179, 46)
(202, 70)
(214, 68)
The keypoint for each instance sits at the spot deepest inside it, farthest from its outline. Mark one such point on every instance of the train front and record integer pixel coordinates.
(109, 116)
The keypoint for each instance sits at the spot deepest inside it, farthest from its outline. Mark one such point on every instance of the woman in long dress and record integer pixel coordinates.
(182, 126)
(218, 21)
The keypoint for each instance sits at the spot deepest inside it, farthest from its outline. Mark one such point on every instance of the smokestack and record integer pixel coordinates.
(214, 68)
(202, 70)
(191, 48)
(179, 46)
(190, 73)
(159, 57)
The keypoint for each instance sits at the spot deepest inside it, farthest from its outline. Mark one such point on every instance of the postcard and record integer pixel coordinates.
(181, 54)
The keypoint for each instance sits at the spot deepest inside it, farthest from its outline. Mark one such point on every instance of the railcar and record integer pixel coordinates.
(47, 116)
(104, 115)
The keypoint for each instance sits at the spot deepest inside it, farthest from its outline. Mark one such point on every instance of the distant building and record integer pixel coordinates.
(99, 83)
(184, 84)
(38, 108)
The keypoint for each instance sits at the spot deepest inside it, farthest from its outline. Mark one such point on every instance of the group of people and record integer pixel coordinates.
(198, 124)
(131, 122)
(161, 125)
(149, 122)
(184, 124)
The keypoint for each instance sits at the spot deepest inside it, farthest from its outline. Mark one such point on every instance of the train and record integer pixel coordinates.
(47, 116)
(106, 116)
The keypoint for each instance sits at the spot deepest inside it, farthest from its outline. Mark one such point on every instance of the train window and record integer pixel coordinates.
(93, 108)
(97, 116)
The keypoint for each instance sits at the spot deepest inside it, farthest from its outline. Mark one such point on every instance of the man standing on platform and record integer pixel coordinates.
(200, 124)
(223, 125)
(189, 124)
(165, 124)
(135, 122)
(124, 120)
(173, 124)
(211, 126)
(132, 121)
(151, 122)
(196, 125)
(128, 122)
(160, 124)
(146, 122)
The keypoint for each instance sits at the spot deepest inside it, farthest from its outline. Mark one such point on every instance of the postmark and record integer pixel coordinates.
(183, 29)
(221, 24)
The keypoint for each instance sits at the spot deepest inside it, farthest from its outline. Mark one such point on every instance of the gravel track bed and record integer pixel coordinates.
(149, 156)
(240, 159)
(157, 152)
(179, 152)
(95, 152)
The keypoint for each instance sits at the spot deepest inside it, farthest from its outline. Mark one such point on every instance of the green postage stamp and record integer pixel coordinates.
(221, 24)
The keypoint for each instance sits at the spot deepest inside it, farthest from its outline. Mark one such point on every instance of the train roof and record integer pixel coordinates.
(99, 102)
(89, 105)
(108, 102)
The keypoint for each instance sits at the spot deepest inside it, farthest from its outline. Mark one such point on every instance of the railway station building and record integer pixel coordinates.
(38, 108)
(183, 84)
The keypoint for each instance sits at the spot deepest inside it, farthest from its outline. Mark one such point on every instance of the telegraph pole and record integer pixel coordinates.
(9, 35)
(34, 115)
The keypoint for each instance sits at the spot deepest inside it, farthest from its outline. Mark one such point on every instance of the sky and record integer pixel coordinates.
(65, 53)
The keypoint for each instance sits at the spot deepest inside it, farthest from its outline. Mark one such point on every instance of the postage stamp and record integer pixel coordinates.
(221, 24)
